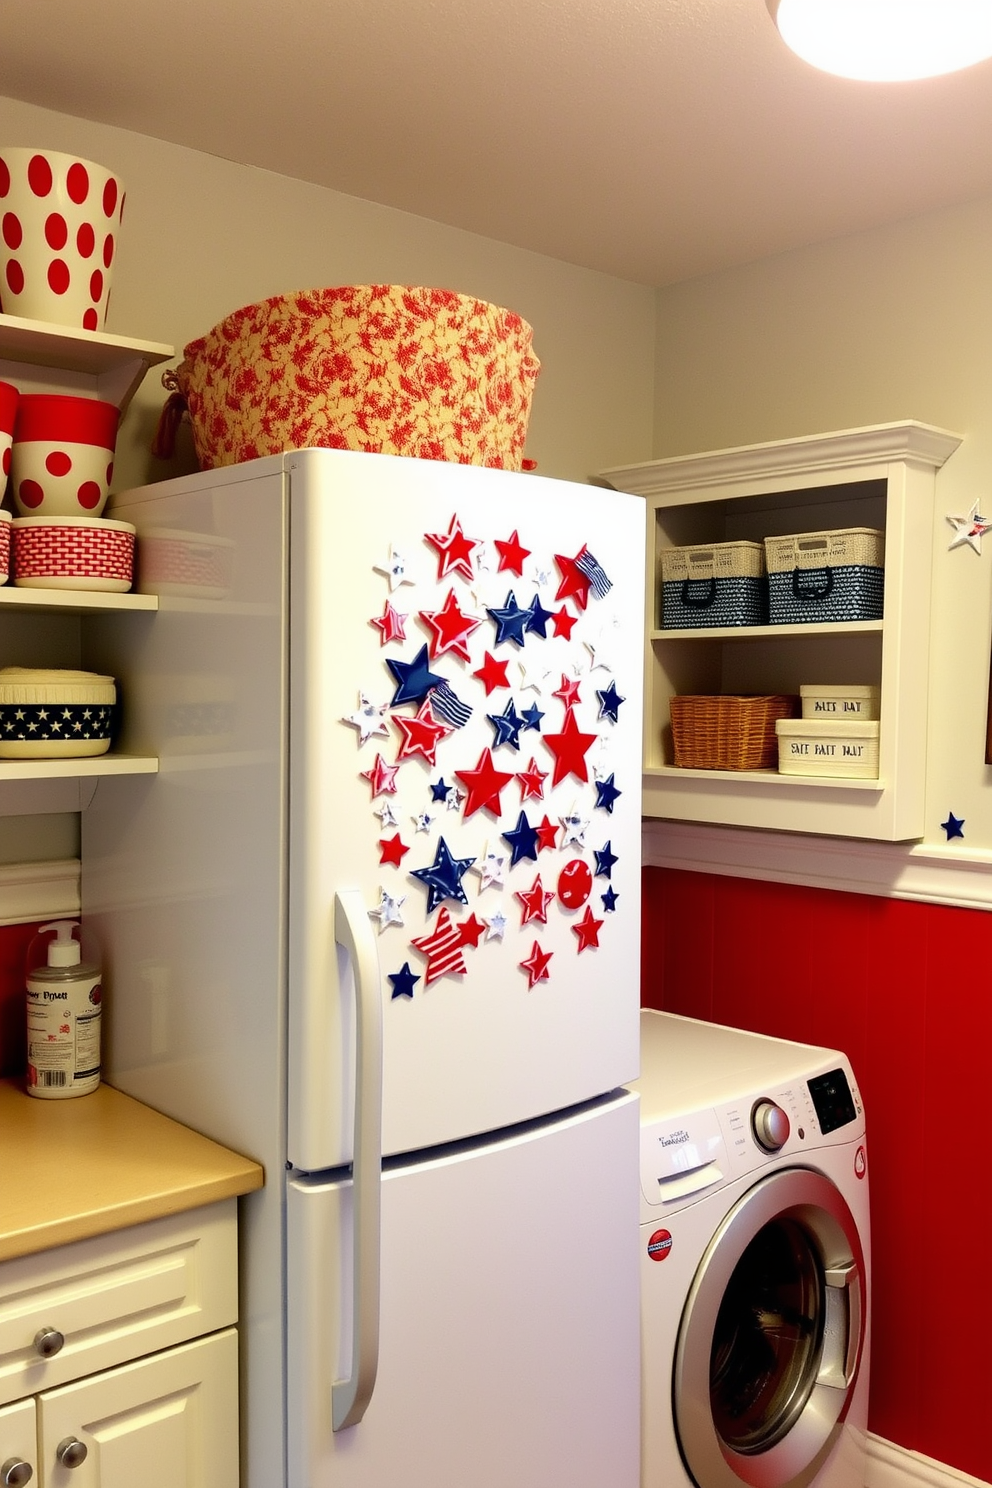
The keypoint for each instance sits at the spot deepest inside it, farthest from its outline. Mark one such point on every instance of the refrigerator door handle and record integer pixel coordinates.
(353, 931)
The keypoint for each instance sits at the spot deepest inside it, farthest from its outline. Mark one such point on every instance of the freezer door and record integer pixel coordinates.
(508, 1331)
(466, 657)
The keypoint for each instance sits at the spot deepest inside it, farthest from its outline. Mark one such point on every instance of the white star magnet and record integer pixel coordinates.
(600, 645)
(453, 798)
(970, 529)
(387, 816)
(533, 675)
(394, 568)
(369, 719)
(496, 925)
(541, 577)
(575, 826)
(388, 910)
(491, 868)
(422, 822)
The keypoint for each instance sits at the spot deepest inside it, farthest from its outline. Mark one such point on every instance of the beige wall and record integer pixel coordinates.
(202, 236)
(891, 324)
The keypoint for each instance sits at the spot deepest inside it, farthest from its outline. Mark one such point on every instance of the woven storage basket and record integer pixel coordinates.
(386, 368)
(713, 584)
(826, 576)
(728, 733)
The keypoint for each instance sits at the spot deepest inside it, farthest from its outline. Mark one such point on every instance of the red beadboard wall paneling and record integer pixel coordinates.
(14, 942)
(903, 989)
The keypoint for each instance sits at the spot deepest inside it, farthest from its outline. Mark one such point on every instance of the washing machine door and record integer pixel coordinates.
(771, 1337)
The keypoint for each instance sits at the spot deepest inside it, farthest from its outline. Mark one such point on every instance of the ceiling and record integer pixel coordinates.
(656, 140)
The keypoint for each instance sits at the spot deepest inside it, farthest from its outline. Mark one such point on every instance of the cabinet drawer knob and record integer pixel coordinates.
(70, 1452)
(48, 1342)
(15, 1472)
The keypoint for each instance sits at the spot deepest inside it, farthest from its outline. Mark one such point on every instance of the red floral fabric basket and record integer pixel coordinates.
(386, 368)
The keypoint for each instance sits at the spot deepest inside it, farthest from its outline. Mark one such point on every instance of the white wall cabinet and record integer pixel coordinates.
(884, 477)
(119, 1358)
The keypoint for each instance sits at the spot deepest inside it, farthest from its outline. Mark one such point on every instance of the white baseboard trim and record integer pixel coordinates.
(890, 1466)
(39, 891)
(930, 872)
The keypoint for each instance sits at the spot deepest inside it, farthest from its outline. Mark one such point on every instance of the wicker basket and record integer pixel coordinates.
(728, 733)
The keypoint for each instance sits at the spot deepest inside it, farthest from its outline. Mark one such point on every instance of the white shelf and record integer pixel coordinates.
(78, 769)
(884, 477)
(73, 601)
(40, 357)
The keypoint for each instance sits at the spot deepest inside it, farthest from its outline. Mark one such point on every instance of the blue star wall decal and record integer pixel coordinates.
(605, 859)
(443, 877)
(610, 900)
(510, 621)
(538, 617)
(953, 826)
(523, 840)
(414, 679)
(532, 717)
(439, 791)
(609, 702)
(403, 981)
(607, 793)
(506, 726)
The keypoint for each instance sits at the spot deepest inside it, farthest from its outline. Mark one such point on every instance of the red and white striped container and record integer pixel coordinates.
(59, 224)
(185, 565)
(73, 553)
(63, 454)
(5, 544)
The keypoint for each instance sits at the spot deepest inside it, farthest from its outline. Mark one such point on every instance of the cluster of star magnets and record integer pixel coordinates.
(440, 710)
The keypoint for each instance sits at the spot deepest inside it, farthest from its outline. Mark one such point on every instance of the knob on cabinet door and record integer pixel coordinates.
(48, 1342)
(70, 1452)
(15, 1472)
(770, 1125)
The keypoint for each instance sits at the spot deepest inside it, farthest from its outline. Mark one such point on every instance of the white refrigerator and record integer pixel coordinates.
(375, 923)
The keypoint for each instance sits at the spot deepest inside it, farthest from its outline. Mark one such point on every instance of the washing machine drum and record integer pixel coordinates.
(771, 1337)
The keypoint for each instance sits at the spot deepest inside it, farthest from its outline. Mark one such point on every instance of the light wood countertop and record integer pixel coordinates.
(94, 1163)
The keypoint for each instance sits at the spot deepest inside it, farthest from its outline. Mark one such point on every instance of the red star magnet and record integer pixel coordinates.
(420, 734)
(563, 623)
(587, 929)
(531, 782)
(484, 784)
(389, 624)
(568, 691)
(454, 550)
(492, 673)
(535, 901)
(392, 850)
(512, 554)
(381, 777)
(574, 584)
(547, 834)
(471, 931)
(536, 965)
(449, 627)
(569, 749)
(443, 949)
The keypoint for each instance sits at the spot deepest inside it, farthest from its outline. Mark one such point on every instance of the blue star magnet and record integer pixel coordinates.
(538, 617)
(506, 726)
(511, 621)
(609, 702)
(532, 717)
(414, 679)
(953, 826)
(443, 877)
(439, 791)
(523, 840)
(610, 900)
(403, 981)
(605, 858)
(607, 793)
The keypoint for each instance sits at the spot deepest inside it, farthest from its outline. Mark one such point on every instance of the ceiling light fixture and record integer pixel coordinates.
(886, 40)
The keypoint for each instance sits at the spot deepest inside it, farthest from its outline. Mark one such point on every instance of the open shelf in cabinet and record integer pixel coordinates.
(38, 357)
(882, 476)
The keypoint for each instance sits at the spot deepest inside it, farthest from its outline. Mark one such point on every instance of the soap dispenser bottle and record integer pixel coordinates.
(64, 1003)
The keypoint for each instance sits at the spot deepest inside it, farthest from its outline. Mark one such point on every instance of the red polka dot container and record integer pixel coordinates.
(63, 455)
(53, 714)
(59, 223)
(73, 553)
(387, 368)
(8, 412)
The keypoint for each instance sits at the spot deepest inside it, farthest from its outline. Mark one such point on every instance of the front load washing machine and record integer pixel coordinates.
(754, 1261)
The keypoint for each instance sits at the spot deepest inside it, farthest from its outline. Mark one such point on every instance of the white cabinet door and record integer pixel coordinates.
(19, 1440)
(167, 1421)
